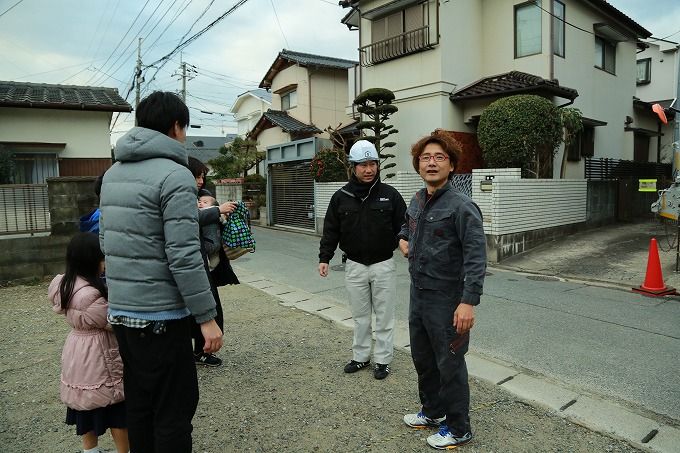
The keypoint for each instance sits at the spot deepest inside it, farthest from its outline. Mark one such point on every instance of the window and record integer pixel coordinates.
(583, 145)
(605, 55)
(289, 100)
(527, 29)
(558, 28)
(644, 71)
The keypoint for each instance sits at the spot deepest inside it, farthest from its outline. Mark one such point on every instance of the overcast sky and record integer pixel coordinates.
(94, 42)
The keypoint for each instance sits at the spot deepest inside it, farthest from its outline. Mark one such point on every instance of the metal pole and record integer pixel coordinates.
(138, 75)
(184, 82)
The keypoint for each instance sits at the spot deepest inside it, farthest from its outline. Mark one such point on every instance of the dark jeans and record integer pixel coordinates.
(161, 387)
(442, 375)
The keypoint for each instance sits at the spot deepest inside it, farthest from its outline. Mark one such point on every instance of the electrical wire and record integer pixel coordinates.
(123, 38)
(163, 60)
(10, 8)
(279, 22)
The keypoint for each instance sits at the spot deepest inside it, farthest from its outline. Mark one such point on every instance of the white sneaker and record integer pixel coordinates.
(419, 420)
(445, 440)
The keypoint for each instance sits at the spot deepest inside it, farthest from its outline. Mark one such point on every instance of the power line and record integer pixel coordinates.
(123, 38)
(10, 8)
(163, 60)
(279, 22)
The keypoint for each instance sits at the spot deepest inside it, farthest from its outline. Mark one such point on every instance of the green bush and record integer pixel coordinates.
(522, 131)
(329, 165)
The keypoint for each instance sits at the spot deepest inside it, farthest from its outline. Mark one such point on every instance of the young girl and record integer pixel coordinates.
(91, 367)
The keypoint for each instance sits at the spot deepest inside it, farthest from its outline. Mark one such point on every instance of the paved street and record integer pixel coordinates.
(604, 341)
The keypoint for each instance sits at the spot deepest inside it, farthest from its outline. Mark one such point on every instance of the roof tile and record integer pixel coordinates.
(64, 97)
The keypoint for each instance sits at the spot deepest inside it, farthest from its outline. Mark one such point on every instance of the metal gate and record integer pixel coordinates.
(292, 195)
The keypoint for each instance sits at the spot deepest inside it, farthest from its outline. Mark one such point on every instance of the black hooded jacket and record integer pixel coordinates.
(364, 219)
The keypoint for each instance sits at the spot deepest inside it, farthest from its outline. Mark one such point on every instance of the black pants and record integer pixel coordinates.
(196, 333)
(161, 387)
(442, 374)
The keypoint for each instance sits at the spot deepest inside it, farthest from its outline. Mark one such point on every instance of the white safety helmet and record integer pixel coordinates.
(362, 151)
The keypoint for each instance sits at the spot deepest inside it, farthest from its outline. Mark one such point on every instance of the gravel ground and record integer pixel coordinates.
(281, 389)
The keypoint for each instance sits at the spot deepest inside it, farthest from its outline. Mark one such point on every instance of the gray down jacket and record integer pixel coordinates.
(149, 229)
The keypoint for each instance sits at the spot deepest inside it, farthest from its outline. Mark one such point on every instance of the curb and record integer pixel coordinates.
(584, 409)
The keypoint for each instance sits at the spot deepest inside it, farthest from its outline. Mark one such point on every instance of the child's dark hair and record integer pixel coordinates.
(83, 256)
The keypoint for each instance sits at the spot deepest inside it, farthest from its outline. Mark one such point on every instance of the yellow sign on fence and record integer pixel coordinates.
(647, 185)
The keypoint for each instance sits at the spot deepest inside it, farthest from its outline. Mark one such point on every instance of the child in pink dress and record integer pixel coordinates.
(91, 367)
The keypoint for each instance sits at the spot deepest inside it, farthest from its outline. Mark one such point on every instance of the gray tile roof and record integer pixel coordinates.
(509, 83)
(264, 94)
(288, 123)
(308, 59)
(287, 58)
(62, 97)
(207, 148)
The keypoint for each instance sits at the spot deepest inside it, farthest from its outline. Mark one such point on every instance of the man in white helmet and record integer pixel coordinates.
(364, 218)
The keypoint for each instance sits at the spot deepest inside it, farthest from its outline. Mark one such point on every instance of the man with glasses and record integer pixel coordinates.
(444, 241)
(364, 218)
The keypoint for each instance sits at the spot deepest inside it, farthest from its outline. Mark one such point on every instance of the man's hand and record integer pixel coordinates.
(212, 336)
(464, 318)
(323, 269)
(403, 246)
(228, 207)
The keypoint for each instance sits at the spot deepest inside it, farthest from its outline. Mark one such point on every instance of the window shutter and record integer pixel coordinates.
(378, 27)
(413, 18)
(394, 24)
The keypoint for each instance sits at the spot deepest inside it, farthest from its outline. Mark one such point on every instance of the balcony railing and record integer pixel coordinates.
(397, 46)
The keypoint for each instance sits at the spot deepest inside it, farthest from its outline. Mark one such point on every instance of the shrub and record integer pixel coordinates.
(521, 131)
(329, 164)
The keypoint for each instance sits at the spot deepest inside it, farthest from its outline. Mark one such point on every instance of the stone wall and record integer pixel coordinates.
(31, 257)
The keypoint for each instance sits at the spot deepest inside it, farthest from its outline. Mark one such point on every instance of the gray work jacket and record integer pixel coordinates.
(447, 245)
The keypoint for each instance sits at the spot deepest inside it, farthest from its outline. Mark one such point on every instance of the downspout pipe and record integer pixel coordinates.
(551, 38)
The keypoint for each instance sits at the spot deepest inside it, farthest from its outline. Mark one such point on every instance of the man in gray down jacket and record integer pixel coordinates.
(155, 275)
(364, 217)
(443, 238)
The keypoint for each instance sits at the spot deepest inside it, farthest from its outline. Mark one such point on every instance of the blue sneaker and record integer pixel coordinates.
(446, 440)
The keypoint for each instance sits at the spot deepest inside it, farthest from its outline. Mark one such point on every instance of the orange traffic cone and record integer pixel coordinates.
(654, 285)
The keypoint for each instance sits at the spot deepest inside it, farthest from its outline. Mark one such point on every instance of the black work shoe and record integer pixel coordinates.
(210, 360)
(353, 366)
(381, 371)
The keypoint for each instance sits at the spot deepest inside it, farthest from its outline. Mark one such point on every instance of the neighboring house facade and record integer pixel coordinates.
(658, 82)
(309, 93)
(57, 130)
(248, 108)
(447, 61)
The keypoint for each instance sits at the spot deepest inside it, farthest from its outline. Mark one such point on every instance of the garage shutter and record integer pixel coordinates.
(292, 195)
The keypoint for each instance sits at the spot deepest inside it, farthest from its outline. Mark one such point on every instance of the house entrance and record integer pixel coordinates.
(292, 195)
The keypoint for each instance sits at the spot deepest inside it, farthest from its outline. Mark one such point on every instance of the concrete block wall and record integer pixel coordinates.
(31, 257)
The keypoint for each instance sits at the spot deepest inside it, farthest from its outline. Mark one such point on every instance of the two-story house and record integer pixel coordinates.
(447, 60)
(658, 82)
(309, 94)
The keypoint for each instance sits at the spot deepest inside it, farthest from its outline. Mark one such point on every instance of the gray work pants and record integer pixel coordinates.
(372, 289)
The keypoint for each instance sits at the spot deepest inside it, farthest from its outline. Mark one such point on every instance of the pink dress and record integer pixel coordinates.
(91, 367)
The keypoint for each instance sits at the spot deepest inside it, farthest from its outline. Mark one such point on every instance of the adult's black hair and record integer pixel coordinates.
(83, 256)
(197, 167)
(160, 110)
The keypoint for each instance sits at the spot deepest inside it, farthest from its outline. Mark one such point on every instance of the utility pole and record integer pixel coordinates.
(138, 75)
(184, 82)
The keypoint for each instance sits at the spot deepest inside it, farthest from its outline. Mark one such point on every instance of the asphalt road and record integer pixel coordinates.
(613, 343)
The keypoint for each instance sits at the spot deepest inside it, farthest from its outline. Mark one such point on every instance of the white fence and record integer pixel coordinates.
(510, 204)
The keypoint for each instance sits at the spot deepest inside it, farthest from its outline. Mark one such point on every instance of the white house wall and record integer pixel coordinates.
(602, 96)
(249, 113)
(86, 134)
(289, 76)
(664, 73)
(329, 92)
